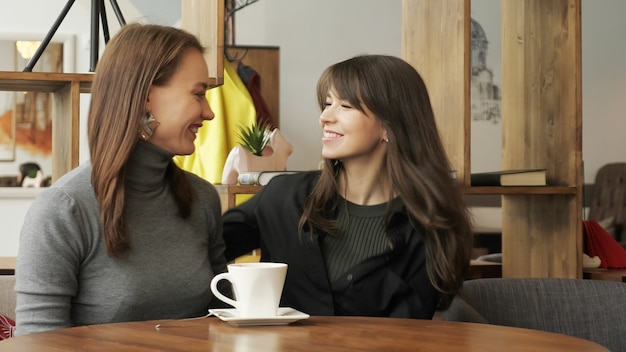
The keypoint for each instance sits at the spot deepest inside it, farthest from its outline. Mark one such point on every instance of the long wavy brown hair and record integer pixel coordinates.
(416, 163)
(136, 58)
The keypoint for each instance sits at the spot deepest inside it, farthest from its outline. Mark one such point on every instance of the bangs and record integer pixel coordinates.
(344, 81)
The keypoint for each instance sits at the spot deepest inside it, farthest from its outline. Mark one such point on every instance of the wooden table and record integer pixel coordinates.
(7, 265)
(604, 274)
(314, 334)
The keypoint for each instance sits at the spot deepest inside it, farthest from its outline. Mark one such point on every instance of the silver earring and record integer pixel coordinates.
(149, 125)
(386, 140)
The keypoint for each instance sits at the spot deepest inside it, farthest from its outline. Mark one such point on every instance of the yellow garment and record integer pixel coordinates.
(233, 108)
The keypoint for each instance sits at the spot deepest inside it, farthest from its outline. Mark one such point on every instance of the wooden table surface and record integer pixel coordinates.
(314, 334)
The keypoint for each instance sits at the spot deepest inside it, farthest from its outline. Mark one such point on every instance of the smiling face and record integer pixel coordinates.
(180, 106)
(350, 134)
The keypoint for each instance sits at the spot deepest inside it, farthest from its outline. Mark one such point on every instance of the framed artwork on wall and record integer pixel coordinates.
(486, 86)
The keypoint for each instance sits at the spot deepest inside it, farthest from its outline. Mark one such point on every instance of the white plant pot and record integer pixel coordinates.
(274, 158)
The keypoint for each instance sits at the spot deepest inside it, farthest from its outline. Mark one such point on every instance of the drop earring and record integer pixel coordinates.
(149, 125)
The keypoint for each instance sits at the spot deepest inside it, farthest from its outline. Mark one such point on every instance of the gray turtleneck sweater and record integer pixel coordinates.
(65, 278)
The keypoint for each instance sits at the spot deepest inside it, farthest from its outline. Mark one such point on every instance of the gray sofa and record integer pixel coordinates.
(589, 309)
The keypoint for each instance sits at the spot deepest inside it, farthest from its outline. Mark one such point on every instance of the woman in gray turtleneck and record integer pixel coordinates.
(129, 235)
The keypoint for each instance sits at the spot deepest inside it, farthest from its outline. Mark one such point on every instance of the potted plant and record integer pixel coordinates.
(255, 137)
(259, 149)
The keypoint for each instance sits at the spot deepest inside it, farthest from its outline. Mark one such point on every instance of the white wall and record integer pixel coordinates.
(313, 34)
(604, 84)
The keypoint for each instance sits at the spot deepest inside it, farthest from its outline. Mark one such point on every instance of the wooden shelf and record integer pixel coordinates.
(66, 89)
(7, 265)
(228, 193)
(510, 190)
(541, 124)
(605, 274)
(44, 81)
(200, 17)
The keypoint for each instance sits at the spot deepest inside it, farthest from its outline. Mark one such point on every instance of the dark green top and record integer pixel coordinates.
(360, 235)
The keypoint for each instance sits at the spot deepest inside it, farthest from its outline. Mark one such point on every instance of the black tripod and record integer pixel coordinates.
(98, 13)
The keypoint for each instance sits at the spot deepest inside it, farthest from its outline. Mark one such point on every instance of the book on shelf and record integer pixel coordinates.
(520, 177)
(260, 178)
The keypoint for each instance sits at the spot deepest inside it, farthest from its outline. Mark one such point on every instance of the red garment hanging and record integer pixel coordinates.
(598, 242)
(252, 80)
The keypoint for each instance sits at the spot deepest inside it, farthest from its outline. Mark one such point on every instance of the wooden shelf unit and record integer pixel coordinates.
(549, 190)
(541, 114)
(204, 18)
(228, 194)
(66, 89)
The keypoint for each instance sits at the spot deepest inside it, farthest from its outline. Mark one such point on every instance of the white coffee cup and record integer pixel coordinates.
(257, 288)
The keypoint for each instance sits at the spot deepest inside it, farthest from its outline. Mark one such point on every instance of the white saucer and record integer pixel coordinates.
(285, 316)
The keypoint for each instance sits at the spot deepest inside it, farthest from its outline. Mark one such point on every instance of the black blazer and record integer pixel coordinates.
(393, 284)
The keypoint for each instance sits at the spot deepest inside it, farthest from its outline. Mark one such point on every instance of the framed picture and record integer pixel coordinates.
(486, 85)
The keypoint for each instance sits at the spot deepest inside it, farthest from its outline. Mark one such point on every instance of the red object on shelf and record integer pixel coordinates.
(598, 242)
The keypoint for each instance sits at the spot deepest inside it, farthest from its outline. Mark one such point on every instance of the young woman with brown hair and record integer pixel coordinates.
(381, 230)
(128, 235)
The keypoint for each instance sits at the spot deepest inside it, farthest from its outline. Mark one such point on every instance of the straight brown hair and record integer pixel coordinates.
(136, 58)
(416, 163)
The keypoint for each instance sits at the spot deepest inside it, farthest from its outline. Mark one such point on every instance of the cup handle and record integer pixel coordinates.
(216, 279)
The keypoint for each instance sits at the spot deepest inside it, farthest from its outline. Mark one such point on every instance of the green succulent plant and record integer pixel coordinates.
(254, 138)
